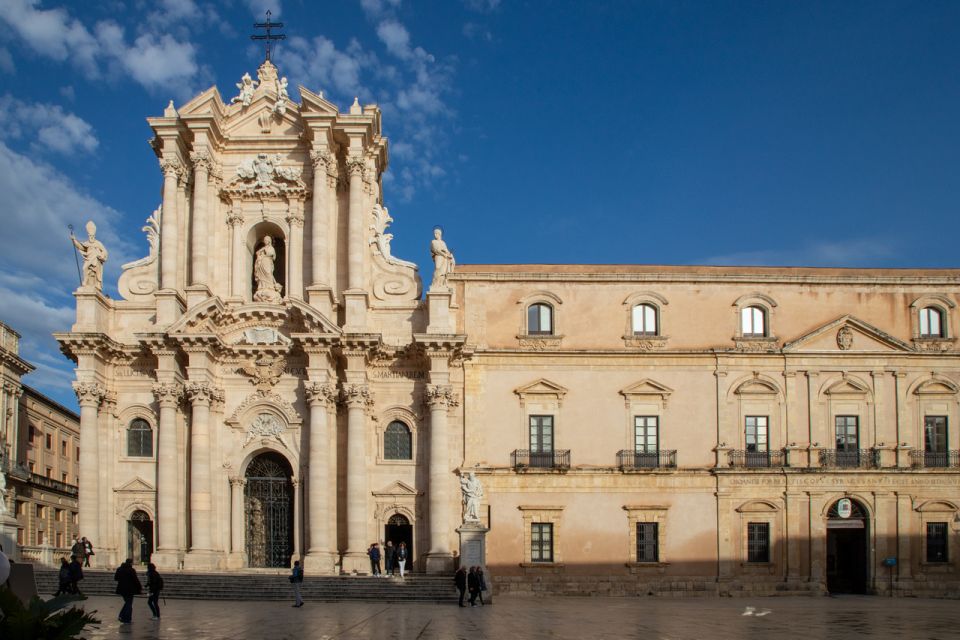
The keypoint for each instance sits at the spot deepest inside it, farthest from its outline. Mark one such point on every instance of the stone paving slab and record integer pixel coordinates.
(511, 618)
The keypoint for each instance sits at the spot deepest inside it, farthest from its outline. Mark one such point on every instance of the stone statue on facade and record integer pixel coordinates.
(443, 261)
(282, 97)
(94, 255)
(3, 487)
(247, 86)
(268, 289)
(264, 170)
(472, 494)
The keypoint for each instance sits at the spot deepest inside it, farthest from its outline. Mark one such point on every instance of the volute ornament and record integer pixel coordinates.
(356, 395)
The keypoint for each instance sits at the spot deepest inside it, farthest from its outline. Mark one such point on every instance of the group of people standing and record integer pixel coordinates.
(396, 558)
(82, 550)
(71, 573)
(471, 580)
(128, 586)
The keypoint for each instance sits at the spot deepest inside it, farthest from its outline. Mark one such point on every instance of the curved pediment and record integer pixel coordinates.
(254, 322)
(757, 385)
(758, 506)
(847, 385)
(937, 506)
(936, 386)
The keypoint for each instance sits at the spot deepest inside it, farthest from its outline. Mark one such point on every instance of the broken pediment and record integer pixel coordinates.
(540, 389)
(256, 321)
(136, 485)
(847, 334)
(396, 489)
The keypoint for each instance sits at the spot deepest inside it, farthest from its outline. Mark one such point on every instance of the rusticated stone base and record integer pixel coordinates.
(627, 586)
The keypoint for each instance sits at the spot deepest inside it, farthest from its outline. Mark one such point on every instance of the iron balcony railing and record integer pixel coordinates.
(757, 459)
(849, 458)
(661, 459)
(934, 460)
(556, 459)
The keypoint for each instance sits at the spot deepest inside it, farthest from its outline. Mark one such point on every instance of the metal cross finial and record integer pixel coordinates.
(268, 36)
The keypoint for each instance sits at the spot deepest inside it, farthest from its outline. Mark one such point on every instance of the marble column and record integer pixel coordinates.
(238, 271)
(357, 398)
(320, 217)
(356, 227)
(297, 520)
(237, 557)
(295, 250)
(169, 395)
(320, 554)
(168, 223)
(89, 395)
(200, 395)
(439, 398)
(199, 226)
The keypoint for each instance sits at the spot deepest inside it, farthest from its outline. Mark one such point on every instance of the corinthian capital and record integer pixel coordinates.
(201, 160)
(201, 392)
(320, 394)
(440, 395)
(168, 394)
(89, 394)
(171, 166)
(356, 396)
(355, 167)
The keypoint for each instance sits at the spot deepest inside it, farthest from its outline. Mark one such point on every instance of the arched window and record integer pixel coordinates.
(645, 320)
(931, 323)
(140, 439)
(540, 319)
(397, 442)
(753, 322)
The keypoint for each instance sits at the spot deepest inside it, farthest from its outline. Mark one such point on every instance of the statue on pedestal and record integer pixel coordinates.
(247, 85)
(472, 493)
(268, 289)
(94, 255)
(443, 261)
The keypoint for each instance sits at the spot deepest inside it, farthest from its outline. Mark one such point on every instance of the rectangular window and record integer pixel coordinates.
(50, 472)
(935, 452)
(49, 441)
(847, 433)
(647, 547)
(541, 441)
(541, 542)
(63, 448)
(19, 536)
(755, 434)
(58, 515)
(937, 542)
(59, 540)
(39, 536)
(31, 466)
(77, 450)
(758, 542)
(63, 477)
(32, 434)
(645, 433)
(40, 512)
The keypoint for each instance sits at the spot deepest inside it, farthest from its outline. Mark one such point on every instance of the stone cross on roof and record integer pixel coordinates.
(269, 37)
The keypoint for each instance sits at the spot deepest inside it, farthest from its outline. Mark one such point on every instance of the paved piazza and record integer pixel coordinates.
(652, 619)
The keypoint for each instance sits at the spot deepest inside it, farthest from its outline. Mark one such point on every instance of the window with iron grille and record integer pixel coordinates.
(140, 439)
(647, 548)
(758, 542)
(540, 319)
(541, 542)
(937, 542)
(397, 442)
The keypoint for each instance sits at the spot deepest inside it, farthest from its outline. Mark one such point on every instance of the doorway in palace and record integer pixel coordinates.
(398, 529)
(268, 504)
(847, 550)
(139, 537)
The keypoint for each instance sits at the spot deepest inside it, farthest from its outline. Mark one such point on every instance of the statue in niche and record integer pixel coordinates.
(472, 493)
(247, 86)
(268, 289)
(94, 255)
(443, 262)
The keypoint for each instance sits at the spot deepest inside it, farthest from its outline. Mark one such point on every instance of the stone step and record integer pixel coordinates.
(220, 586)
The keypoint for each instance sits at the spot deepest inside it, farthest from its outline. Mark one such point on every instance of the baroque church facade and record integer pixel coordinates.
(630, 429)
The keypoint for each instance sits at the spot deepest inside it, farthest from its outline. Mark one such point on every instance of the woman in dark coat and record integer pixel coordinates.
(63, 578)
(154, 587)
(473, 584)
(128, 585)
(460, 579)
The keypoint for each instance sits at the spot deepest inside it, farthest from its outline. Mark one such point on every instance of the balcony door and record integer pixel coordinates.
(848, 441)
(757, 447)
(935, 452)
(645, 441)
(541, 441)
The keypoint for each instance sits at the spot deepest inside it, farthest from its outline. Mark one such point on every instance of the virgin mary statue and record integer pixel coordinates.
(268, 289)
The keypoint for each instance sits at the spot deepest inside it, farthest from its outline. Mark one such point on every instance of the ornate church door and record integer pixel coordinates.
(268, 505)
(139, 537)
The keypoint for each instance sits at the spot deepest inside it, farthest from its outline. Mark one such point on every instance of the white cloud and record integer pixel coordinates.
(259, 8)
(320, 64)
(855, 252)
(55, 129)
(155, 60)
(395, 37)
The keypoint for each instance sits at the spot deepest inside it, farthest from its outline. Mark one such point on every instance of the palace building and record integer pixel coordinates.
(275, 385)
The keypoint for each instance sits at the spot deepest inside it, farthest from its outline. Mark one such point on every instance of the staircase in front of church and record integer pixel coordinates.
(245, 586)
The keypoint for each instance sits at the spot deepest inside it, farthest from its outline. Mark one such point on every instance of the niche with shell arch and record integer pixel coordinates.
(255, 241)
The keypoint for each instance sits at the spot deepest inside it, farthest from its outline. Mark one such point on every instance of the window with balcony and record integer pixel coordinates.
(397, 442)
(541, 542)
(937, 542)
(935, 452)
(847, 429)
(758, 542)
(541, 441)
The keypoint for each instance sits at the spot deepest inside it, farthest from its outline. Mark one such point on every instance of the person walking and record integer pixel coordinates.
(401, 557)
(63, 578)
(460, 580)
(128, 585)
(154, 587)
(473, 585)
(374, 553)
(87, 551)
(296, 579)
(76, 575)
(77, 549)
(483, 585)
(390, 552)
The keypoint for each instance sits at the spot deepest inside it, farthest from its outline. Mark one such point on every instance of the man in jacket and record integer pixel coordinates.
(388, 552)
(460, 579)
(128, 585)
(296, 579)
(76, 574)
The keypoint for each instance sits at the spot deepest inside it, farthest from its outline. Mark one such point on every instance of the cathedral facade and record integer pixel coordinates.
(617, 429)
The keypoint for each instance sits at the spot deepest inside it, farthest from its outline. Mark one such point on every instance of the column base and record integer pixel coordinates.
(355, 563)
(321, 298)
(166, 560)
(438, 562)
(202, 560)
(236, 560)
(321, 563)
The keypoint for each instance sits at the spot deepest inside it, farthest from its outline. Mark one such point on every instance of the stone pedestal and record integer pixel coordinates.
(355, 563)
(196, 294)
(473, 552)
(320, 563)
(438, 305)
(169, 307)
(93, 309)
(355, 303)
(321, 298)
(8, 536)
(202, 560)
(166, 560)
(438, 563)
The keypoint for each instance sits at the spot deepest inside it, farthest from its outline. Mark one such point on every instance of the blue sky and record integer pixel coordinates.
(755, 133)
